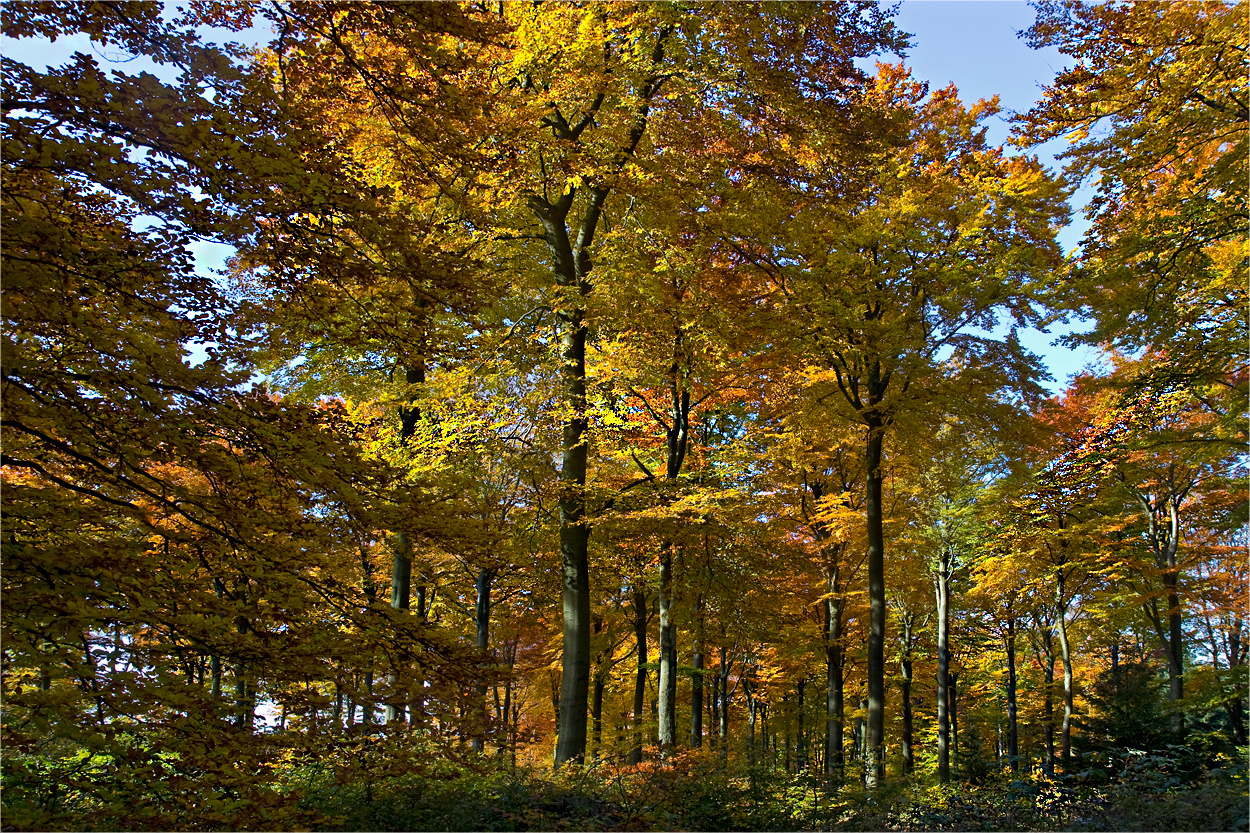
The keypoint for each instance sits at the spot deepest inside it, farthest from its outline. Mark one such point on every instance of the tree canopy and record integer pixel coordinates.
(618, 408)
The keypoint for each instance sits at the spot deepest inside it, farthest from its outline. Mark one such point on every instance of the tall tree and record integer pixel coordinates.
(890, 284)
(184, 522)
(1156, 108)
(589, 81)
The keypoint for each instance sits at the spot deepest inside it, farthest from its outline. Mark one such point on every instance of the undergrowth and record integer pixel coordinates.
(692, 790)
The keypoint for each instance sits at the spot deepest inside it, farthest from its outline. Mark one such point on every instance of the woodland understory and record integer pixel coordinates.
(614, 416)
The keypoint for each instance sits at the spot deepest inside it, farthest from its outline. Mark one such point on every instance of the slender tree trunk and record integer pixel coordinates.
(723, 724)
(909, 760)
(678, 433)
(485, 578)
(1175, 651)
(768, 735)
(752, 718)
(350, 722)
(1048, 705)
(509, 727)
(596, 699)
(1065, 655)
(696, 680)
(401, 579)
(1013, 732)
(785, 711)
(1236, 659)
(215, 679)
(802, 744)
(215, 660)
(366, 706)
(862, 741)
(1065, 735)
(401, 570)
(835, 676)
(244, 714)
(943, 669)
(714, 705)
(640, 675)
(875, 724)
(667, 693)
(416, 709)
(596, 714)
(954, 693)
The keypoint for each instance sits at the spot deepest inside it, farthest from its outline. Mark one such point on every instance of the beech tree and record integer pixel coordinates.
(890, 284)
(576, 320)
(194, 525)
(1155, 108)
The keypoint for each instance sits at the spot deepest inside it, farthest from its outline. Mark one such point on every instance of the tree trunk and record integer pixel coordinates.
(696, 680)
(678, 434)
(861, 740)
(723, 724)
(874, 762)
(835, 676)
(401, 570)
(802, 739)
(244, 714)
(1048, 701)
(596, 698)
(215, 683)
(954, 692)
(752, 718)
(1175, 652)
(909, 760)
(571, 266)
(667, 692)
(1065, 654)
(485, 577)
(785, 711)
(416, 710)
(1013, 732)
(640, 675)
(1236, 659)
(366, 706)
(1164, 535)
(596, 714)
(401, 580)
(574, 542)
(943, 671)
(714, 705)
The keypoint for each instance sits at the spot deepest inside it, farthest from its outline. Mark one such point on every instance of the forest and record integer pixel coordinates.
(614, 416)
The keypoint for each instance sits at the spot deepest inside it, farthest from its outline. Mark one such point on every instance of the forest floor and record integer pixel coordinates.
(694, 791)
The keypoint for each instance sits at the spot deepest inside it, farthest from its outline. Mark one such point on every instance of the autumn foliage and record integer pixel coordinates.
(615, 416)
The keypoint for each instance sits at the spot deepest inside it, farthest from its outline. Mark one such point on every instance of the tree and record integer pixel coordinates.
(1162, 454)
(890, 281)
(1155, 108)
(166, 527)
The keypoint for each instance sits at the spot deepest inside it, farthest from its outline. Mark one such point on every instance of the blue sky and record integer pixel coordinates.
(971, 43)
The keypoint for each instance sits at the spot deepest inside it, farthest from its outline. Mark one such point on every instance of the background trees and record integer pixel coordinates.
(608, 332)
(1156, 110)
